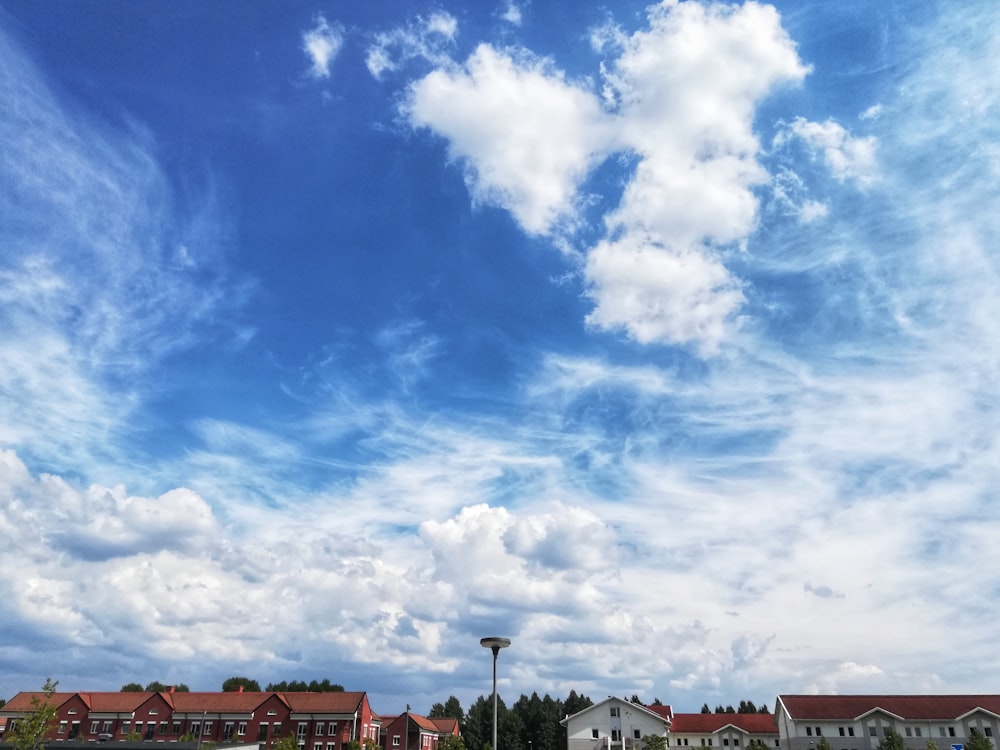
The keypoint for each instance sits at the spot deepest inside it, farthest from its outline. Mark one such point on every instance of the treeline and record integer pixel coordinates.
(531, 723)
(234, 684)
(745, 707)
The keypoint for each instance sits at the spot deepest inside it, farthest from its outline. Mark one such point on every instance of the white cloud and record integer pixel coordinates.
(848, 157)
(321, 44)
(512, 14)
(429, 39)
(681, 96)
(525, 135)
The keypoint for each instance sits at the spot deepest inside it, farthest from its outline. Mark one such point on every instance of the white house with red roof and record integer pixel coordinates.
(860, 722)
(615, 724)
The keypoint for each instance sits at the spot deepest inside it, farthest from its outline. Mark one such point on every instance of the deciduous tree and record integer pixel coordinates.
(30, 730)
(891, 741)
(233, 684)
(977, 741)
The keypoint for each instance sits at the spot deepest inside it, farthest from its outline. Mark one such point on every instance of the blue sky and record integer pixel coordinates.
(660, 339)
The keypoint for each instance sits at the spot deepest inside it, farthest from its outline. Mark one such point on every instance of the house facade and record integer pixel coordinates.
(614, 724)
(319, 721)
(410, 731)
(725, 731)
(860, 722)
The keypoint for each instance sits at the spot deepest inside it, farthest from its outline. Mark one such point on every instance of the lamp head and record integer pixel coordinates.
(495, 643)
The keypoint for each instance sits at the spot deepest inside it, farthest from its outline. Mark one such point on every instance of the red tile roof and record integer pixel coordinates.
(707, 723)
(320, 703)
(23, 701)
(915, 707)
(234, 702)
(446, 724)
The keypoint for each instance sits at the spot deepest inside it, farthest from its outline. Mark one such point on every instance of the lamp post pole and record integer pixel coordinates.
(494, 644)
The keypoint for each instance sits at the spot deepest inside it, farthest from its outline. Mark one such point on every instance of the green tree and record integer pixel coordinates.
(654, 742)
(451, 708)
(288, 742)
(156, 687)
(451, 742)
(233, 684)
(763, 709)
(29, 731)
(757, 744)
(657, 702)
(705, 709)
(823, 744)
(635, 699)
(131, 687)
(977, 740)
(891, 741)
(931, 745)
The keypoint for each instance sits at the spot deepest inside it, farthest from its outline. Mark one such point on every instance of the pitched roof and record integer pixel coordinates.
(324, 703)
(914, 707)
(446, 724)
(24, 701)
(625, 704)
(709, 723)
(235, 702)
(115, 702)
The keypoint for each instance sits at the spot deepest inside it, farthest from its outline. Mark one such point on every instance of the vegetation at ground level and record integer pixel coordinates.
(29, 731)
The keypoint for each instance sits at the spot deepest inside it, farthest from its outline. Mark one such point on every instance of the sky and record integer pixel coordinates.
(660, 339)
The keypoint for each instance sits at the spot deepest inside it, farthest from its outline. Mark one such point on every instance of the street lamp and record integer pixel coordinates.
(495, 644)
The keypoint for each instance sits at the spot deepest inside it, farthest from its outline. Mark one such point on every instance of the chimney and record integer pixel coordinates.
(240, 690)
(170, 689)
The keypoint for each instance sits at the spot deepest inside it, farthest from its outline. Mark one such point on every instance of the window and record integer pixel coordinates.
(227, 731)
(207, 729)
(988, 731)
(709, 741)
(241, 728)
(277, 729)
(272, 712)
(871, 731)
(320, 726)
(106, 727)
(395, 740)
(809, 731)
(736, 741)
(725, 742)
(150, 730)
(154, 711)
(842, 732)
(262, 732)
(74, 729)
(93, 726)
(777, 743)
(850, 731)
(593, 733)
(703, 742)
(175, 728)
(126, 726)
(300, 731)
(62, 727)
(819, 731)
(317, 746)
(331, 746)
(138, 727)
(909, 732)
(72, 712)
(615, 711)
(636, 734)
(163, 727)
(951, 731)
(616, 735)
(941, 730)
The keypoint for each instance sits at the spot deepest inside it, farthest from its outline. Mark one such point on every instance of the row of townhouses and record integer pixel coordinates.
(319, 721)
(799, 722)
(327, 721)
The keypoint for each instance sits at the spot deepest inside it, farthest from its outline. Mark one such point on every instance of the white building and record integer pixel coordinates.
(614, 724)
(860, 722)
